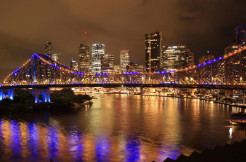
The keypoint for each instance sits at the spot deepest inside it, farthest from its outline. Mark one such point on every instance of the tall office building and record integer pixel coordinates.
(74, 65)
(124, 60)
(55, 56)
(207, 57)
(177, 57)
(48, 48)
(134, 67)
(84, 58)
(107, 63)
(48, 51)
(153, 51)
(98, 51)
(235, 67)
(240, 35)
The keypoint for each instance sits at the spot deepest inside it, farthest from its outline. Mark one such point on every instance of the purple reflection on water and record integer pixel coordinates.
(76, 147)
(52, 141)
(33, 140)
(102, 148)
(133, 149)
(15, 136)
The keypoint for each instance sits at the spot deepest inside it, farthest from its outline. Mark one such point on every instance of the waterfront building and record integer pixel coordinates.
(153, 51)
(207, 57)
(98, 51)
(235, 67)
(74, 65)
(124, 60)
(84, 58)
(177, 57)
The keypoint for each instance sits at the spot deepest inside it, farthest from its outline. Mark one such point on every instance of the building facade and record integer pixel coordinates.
(235, 67)
(48, 48)
(124, 60)
(117, 69)
(98, 51)
(240, 35)
(177, 57)
(207, 57)
(134, 67)
(107, 63)
(74, 65)
(84, 58)
(153, 51)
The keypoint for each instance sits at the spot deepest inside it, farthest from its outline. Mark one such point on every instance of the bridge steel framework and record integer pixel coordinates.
(40, 71)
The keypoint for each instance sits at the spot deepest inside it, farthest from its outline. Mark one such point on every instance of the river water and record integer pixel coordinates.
(120, 128)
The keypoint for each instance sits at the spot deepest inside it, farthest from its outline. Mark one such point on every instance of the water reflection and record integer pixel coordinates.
(120, 128)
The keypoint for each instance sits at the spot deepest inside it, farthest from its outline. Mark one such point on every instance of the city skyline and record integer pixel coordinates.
(120, 25)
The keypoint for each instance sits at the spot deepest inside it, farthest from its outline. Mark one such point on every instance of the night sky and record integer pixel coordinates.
(25, 25)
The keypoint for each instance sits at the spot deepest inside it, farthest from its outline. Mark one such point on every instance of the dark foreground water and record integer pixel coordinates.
(119, 128)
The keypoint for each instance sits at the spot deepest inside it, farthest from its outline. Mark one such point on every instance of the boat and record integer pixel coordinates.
(238, 118)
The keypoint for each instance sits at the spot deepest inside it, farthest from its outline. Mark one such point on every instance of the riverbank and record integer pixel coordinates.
(228, 153)
(239, 105)
(44, 107)
(62, 101)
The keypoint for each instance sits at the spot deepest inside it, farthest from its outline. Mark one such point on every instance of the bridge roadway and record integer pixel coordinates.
(115, 85)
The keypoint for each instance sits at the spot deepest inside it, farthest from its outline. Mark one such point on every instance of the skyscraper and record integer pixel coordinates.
(177, 57)
(107, 63)
(84, 58)
(74, 65)
(55, 57)
(98, 51)
(48, 48)
(124, 60)
(235, 67)
(240, 35)
(207, 57)
(153, 51)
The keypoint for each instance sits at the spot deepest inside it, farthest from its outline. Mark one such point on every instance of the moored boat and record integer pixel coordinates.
(238, 118)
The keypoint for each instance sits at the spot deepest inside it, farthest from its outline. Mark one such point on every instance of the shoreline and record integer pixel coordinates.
(239, 105)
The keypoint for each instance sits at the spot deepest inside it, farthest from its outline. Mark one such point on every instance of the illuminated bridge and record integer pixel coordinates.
(40, 73)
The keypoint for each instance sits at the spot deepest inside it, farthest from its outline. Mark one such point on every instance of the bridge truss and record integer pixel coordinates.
(40, 69)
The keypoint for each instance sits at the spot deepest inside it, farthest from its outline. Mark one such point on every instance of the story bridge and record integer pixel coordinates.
(40, 73)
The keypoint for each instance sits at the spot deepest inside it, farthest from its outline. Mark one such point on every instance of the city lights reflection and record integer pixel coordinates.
(121, 128)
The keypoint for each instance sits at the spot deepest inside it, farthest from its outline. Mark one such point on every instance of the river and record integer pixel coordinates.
(120, 128)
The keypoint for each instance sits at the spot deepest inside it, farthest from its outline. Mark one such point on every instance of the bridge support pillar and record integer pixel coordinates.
(1, 95)
(10, 93)
(44, 92)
